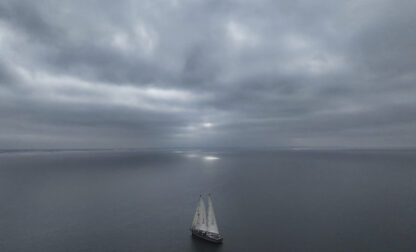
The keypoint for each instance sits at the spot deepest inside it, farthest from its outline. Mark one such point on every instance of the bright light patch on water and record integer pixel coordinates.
(210, 158)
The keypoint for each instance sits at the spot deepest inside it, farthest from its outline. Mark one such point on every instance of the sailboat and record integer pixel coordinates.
(204, 224)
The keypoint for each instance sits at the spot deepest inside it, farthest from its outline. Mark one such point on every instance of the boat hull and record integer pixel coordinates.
(211, 237)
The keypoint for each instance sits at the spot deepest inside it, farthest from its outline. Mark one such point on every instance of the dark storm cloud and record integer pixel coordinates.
(207, 73)
(25, 16)
(6, 75)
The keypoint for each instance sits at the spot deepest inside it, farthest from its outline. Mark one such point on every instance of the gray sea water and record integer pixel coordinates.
(264, 200)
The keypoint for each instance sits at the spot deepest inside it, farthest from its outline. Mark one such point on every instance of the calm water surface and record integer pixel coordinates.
(264, 201)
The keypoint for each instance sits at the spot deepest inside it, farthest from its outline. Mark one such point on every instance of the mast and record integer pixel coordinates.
(200, 218)
(212, 222)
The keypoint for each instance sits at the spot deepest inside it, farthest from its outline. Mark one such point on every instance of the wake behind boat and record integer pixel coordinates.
(204, 224)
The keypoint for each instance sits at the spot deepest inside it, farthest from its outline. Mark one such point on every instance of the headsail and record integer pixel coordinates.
(200, 218)
(212, 222)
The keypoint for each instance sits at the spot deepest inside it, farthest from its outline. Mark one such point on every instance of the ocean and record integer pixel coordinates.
(269, 200)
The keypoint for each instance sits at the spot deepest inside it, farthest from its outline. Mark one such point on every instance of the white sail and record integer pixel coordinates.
(200, 218)
(212, 222)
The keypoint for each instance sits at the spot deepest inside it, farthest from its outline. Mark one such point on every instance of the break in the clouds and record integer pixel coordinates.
(79, 74)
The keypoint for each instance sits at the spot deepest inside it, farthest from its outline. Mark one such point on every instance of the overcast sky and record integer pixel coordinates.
(159, 73)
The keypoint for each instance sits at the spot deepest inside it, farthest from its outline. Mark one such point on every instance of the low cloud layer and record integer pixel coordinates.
(110, 74)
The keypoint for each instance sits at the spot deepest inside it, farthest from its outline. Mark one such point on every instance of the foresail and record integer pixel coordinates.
(212, 222)
(195, 220)
(200, 221)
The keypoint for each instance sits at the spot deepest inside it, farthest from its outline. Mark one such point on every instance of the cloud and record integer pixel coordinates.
(79, 74)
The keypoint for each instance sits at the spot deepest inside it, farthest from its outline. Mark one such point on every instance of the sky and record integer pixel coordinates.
(207, 73)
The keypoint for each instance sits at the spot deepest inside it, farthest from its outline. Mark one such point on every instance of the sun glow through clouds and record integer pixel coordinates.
(207, 125)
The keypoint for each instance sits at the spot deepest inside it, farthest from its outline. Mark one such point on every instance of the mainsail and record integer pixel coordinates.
(200, 222)
(212, 222)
